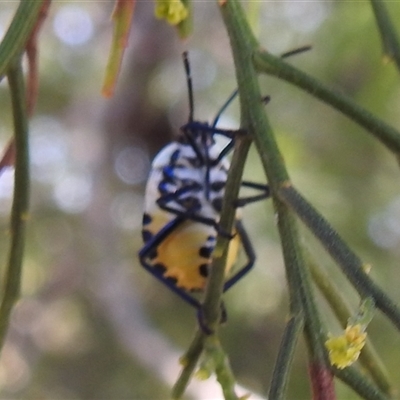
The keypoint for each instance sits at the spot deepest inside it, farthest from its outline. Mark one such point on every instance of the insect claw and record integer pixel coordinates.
(224, 233)
(202, 324)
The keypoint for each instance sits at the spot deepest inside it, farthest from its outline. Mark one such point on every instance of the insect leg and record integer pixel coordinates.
(250, 254)
(189, 213)
(251, 199)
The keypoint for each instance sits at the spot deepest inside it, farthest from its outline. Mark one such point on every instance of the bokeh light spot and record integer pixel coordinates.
(306, 17)
(73, 25)
(49, 150)
(73, 193)
(384, 227)
(126, 210)
(131, 165)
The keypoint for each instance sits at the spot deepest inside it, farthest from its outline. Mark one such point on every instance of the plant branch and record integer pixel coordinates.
(349, 262)
(19, 213)
(222, 368)
(390, 41)
(18, 32)
(271, 65)
(189, 362)
(360, 384)
(284, 360)
(213, 292)
(255, 122)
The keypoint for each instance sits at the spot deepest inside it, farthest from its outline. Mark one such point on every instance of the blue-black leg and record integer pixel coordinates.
(190, 213)
(250, 254)
(252, 199)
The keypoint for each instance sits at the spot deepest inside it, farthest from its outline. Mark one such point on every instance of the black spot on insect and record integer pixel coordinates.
(146, 219)
(205, 251)
(146, 235)
(203, 270)
(152, 254)
(160, 268)
(171, 281)
(217, 204)
(217, 186)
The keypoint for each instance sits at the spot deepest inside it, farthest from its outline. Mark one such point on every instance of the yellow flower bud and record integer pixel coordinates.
(345, 349)
(172, 10)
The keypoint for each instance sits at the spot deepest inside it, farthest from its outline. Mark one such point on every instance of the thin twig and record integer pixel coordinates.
(19, 213)
(349, 262)
(18, 32)
(390, 41)
(360, 384)
(254, 120)
(271, 65)
(189, 362)
(280, 377)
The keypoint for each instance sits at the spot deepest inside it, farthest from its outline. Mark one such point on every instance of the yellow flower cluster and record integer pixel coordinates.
(344, 350)
(172, 10)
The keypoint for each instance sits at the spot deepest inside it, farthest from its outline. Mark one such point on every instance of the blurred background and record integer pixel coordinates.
(92, 324)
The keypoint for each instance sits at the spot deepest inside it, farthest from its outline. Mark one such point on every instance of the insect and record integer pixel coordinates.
(183, 201)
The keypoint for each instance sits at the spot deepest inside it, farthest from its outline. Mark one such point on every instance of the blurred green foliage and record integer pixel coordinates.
(92, 324)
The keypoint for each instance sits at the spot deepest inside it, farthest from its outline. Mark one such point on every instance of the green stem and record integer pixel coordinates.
(254, 121)
(329, 291)
(19, 213)
(185, 27)
(299, 284)
(390, 41)
(284, 360)
(223, 370)
(189, 361)
(360, 384)
(18, 32)
(349, 262)
(214, 288)
(269, 64)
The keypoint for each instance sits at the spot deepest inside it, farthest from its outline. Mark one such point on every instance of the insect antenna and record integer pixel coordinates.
(186, 64)
(294, 52)
(224, 107)
(235, 92)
